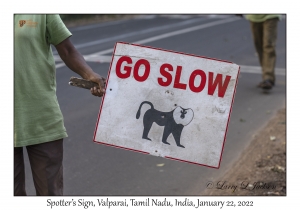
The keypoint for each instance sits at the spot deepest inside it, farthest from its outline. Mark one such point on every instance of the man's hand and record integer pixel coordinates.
(100, 81)
(75, 61)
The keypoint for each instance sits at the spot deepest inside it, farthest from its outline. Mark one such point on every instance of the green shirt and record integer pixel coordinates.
(37, 116)
(261, 17)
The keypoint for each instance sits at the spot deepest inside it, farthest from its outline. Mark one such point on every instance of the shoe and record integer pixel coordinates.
(266, 84)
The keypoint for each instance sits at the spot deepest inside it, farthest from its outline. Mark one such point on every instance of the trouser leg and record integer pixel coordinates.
(269, 49)
(257, 34)
(19, 172)
(46, 166)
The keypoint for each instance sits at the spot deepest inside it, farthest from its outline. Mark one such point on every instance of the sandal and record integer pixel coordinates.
(266, 84)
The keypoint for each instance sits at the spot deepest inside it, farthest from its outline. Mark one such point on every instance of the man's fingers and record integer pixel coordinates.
(101, 83)
(97, 92)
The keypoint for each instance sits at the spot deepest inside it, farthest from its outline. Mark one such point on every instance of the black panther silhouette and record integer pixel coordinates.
(174, 121)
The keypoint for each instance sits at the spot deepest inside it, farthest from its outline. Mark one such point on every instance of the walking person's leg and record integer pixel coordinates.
(269, 49)
(257, 35)
(258, 39)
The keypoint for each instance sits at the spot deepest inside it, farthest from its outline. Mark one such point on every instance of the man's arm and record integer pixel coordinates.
(75, 61)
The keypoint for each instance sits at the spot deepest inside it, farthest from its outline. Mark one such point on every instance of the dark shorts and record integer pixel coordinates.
(46, 166)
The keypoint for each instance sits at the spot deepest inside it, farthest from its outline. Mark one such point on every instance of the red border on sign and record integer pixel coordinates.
(139, 151)
(233, 94)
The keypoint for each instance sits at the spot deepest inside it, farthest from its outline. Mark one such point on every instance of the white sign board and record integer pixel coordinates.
(167, 104)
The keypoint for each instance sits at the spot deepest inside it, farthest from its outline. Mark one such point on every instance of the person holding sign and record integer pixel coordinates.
(38, 121)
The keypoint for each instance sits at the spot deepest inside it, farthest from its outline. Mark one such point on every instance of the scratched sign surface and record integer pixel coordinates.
(167, 104)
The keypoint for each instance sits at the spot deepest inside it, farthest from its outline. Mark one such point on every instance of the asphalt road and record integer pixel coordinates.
(93, 169)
